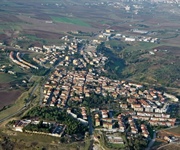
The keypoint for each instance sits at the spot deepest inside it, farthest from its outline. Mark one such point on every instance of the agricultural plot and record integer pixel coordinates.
(4, 78)
(75, 21)
(8, 97)
(174, 130)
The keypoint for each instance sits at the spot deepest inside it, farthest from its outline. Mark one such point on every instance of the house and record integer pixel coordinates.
(97, 122)
(167, 139)
(124, 106)
(20, 124)
(130, 39)
(115, 139)
(104, 113)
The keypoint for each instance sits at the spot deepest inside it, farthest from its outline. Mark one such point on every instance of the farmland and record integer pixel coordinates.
(174, 130)
(8, 97)
(4, 78)
(70, 21)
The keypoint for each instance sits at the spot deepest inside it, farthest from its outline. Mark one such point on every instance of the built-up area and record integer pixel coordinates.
(77, 75)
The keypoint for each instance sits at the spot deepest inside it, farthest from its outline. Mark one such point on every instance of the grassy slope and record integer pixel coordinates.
(144, 67)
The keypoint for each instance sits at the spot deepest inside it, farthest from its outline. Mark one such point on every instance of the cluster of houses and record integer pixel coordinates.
(82, 119)
(5, 68)
(89, 57)
(110, 34)
(144, 130)
(117, 36)
(114, 138)
(153, 108)
(124, 121)
(105, 122)
(73, 85)
(51, 54)
(63, 86)
(132, 124)
(168, 136)
(56, 129)
(17, 59)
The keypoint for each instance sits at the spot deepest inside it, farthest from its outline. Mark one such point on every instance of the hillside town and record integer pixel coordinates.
(90, 75)
(77, 75)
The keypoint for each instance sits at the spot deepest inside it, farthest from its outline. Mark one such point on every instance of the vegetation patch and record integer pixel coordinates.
(60, 116)
(74, 21)
(114, 65)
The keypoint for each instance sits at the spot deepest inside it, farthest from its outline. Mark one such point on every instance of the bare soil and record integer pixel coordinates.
(43, 34)
(8, 97)
(4, 85)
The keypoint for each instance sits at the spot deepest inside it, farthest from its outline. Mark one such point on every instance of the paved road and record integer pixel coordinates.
(152, 142)
(90, 125)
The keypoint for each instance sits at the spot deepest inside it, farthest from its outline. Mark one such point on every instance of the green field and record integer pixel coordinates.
(74, 21)
(6, 78)
(10, 26)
